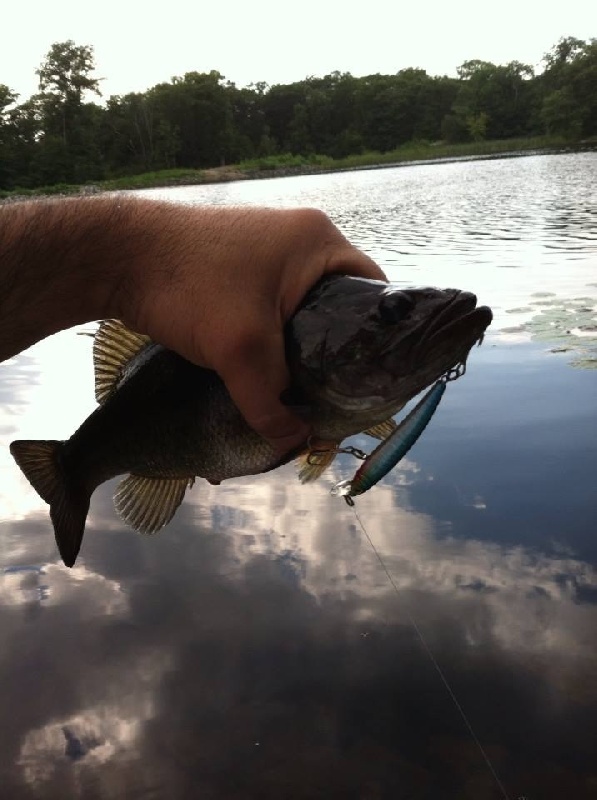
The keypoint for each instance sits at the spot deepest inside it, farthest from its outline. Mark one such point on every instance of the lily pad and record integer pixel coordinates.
(571, 324)
(585, 363)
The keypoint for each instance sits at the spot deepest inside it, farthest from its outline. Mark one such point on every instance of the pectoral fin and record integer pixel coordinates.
(147, 504)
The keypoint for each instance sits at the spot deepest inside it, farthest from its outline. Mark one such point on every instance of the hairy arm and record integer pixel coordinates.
(215, 284)
(57, 265)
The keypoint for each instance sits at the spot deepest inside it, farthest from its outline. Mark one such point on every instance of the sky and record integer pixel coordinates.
(138, 44)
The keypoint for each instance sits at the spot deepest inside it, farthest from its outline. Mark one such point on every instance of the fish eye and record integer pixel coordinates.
(395, 306)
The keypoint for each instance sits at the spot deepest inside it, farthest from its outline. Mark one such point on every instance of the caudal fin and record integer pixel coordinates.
(68, 501)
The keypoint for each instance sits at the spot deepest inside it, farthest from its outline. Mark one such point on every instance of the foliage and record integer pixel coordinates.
(201, 121)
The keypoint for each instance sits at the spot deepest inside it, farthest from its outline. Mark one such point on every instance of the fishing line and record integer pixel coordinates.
(438, 669)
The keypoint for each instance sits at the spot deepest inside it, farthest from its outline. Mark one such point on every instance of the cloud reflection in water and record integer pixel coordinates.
(263, 607)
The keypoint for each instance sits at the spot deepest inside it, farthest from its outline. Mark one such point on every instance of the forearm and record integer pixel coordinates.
(68, 261)
(60, 262)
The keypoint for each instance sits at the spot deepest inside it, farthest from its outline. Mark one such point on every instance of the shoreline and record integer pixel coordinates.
(261, 170)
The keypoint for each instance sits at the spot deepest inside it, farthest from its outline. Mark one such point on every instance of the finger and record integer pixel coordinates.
(320, 247)
(341, 259)
(255, 380)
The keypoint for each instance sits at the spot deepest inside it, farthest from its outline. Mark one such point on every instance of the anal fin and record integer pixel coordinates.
(147, 504)
(383, 430)
(314, 461)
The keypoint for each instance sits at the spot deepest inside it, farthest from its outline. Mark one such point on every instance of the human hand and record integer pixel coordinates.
(218, 285)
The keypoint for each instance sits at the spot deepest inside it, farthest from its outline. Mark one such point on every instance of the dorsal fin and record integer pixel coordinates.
(314, 461)
(383, 430)
(147, 504)
(114, 346)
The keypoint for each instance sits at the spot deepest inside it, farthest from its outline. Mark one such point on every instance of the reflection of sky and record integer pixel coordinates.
(39, 406)
(256, 649)
(261, 620)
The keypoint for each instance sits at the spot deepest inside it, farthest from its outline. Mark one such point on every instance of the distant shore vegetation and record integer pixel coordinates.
(202, 128)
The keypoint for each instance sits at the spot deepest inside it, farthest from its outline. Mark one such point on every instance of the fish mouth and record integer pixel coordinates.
(441, 341)
(373, 346)
(460, 322)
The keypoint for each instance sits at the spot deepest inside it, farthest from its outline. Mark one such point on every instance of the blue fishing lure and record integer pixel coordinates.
(389, 452)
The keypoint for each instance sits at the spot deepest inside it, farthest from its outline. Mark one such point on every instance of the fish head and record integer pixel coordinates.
(363, 348)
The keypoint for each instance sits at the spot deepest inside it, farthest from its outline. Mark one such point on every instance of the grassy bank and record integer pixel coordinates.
(413, 151)
(287, 164)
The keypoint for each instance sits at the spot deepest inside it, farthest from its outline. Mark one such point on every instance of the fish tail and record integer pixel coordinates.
(42, 465)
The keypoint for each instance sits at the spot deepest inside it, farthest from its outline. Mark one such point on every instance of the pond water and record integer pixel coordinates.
(257, 648)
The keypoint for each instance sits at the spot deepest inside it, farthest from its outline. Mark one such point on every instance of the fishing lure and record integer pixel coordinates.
(387, 454)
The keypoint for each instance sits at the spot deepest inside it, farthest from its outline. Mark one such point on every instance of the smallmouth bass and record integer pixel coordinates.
(357, 351)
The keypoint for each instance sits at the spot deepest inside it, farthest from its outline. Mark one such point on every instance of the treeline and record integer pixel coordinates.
(202, 120)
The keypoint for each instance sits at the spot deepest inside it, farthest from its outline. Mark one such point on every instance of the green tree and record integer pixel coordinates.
(8, 167)
(502, 93)
(561, 114)
(24, 122)
(7, 99)
(250, 132)
(66, 72)
(298, 137)
(278, 106)
(135, 135)
(455, 129)
(565, 52)
(477, 126)
(66, 146)
(64, 76)
(202, 120)
(568, 88)
(583, 80)
(198, 108)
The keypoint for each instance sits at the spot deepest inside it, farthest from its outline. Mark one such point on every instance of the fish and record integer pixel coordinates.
(395, 446)
(357, 351)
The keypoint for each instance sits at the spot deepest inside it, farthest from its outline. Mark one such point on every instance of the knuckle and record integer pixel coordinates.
(314, 221)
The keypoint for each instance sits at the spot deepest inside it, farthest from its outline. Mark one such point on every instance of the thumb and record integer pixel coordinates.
(255, 381)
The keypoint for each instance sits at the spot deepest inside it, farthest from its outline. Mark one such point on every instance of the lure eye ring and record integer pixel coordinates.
(454, 373)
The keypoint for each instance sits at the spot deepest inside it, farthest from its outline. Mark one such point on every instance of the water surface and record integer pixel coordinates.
(256, 648)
